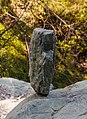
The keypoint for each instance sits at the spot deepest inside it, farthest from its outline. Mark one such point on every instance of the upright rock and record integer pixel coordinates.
(41, 62)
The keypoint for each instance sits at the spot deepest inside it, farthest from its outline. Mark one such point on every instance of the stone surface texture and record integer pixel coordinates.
(67, 103)
(12, 92)
(41, 62)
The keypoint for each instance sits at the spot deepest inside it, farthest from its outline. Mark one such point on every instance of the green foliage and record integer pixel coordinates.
(68, 19)
(14, 62)
(1, 27)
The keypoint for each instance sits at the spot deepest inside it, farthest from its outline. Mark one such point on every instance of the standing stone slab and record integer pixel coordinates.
(41, 62)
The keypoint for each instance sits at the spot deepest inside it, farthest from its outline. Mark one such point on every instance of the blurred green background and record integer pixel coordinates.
(68, 19)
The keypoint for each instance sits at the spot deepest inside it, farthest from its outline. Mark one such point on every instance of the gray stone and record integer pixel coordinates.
(12, 92)
(10, 87)
(41, 60)
(67, 103)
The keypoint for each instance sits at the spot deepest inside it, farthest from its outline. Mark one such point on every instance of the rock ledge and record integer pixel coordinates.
(67, 103)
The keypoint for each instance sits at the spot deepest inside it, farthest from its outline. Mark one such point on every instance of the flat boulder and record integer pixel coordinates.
(66, 103)
(12, 92)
